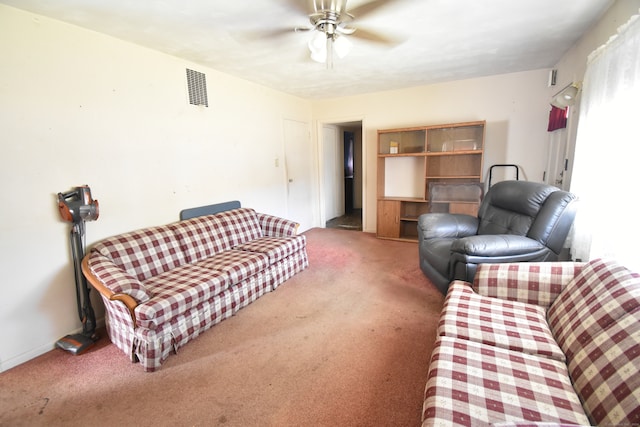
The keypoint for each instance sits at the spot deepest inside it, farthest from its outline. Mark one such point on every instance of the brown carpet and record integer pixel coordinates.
(344, 343)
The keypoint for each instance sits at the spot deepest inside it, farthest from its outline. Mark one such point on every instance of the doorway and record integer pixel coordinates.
(343, 175)
(348, 160)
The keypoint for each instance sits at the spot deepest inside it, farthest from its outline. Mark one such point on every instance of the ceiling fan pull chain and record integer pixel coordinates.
(329, 51)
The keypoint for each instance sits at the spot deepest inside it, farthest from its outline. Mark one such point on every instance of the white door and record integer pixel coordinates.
(556, 163)
(299, 173)
(332, 174)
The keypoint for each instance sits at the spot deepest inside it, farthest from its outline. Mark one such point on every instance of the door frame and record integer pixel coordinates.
(345, 122)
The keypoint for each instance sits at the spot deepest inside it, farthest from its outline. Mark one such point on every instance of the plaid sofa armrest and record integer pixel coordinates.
(115, 279)
(529, 282)
(88, 266)
(273, 226)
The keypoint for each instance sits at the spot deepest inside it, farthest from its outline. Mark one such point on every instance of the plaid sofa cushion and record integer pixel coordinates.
(493, 321)
(144, 253)
(116, 279)
(201, 237)
(241, 225)
(236, 265)
(536, 283)
(176, 292)
(473, 384)
(596, 321)
(276, 248)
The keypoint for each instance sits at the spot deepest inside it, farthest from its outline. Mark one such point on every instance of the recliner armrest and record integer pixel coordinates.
(496, 245)
(438, 225)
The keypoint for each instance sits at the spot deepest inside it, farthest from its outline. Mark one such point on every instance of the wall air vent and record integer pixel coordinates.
(197, 83)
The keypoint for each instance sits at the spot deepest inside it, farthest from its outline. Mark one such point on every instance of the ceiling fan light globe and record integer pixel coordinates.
(342, 46)
(320, 56)
(318, 43)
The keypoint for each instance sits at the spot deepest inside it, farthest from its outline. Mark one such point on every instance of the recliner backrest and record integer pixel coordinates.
(510, 207)
(539, 211)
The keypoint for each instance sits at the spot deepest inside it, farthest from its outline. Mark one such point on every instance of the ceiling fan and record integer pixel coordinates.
(333, 24)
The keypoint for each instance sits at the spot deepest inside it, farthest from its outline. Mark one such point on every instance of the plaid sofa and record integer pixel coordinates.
(164, 285)
(533, 344)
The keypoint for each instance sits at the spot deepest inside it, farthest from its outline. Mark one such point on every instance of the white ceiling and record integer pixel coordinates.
(440, 40)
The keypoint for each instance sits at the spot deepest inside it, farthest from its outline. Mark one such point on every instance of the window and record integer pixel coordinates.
(607, 156)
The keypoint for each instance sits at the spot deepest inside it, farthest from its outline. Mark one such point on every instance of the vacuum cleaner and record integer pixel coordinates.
(76, 207)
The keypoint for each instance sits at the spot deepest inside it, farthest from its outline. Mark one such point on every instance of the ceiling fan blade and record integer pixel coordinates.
(361, 11)
(301, 6)
(372, 36)
(270, 34)
(276, 33)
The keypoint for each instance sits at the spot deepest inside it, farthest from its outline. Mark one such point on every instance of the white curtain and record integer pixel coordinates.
(606, 174)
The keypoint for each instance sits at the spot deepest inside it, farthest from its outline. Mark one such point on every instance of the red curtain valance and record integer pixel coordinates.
(557, 118)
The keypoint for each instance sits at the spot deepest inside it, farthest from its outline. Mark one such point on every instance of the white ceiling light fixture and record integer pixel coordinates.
(323, 46)
(331, 24)
(567, 96)
(330, 27)
(342, 46)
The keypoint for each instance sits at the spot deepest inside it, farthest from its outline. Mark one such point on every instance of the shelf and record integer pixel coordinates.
(405, 141)
(466, 208)
(404, 199)
(404, 155)
(408, 230)
(452, 197)
(410, 160)
(458, 138)
(459, 165)
(452, 153)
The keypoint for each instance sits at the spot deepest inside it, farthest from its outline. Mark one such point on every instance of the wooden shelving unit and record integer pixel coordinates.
(410, 160)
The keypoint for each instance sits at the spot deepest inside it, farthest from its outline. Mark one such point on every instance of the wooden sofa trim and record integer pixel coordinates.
(127, 300)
